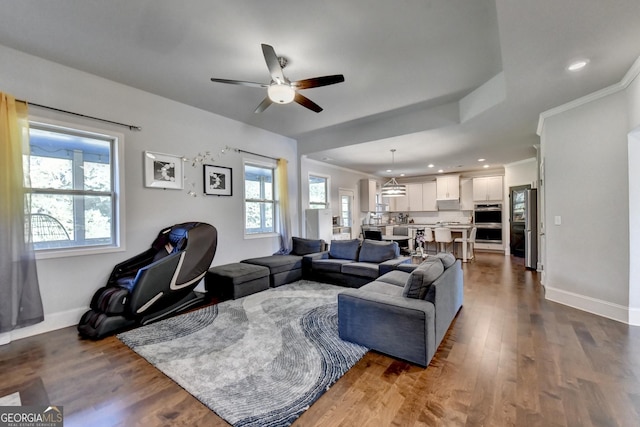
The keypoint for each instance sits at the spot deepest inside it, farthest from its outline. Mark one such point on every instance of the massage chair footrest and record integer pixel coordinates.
(95, 324)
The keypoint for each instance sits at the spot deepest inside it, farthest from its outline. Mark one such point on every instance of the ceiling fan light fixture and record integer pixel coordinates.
(281, 93)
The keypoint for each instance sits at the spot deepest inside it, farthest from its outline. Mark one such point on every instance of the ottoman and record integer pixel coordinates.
(236, 280)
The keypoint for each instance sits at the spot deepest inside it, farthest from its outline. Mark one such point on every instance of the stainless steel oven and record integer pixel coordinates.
(488, 220)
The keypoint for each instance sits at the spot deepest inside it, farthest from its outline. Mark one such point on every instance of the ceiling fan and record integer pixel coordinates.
(281, 90)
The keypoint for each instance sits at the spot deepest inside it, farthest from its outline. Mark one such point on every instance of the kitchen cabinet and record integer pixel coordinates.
(487, 188)
(466, 195)
(429, 196)
(414, 197)
(448, 187)
(367, 195)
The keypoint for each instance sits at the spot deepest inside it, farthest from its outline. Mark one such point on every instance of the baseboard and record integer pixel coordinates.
(634, 316)
(51, 323)
(595, 306)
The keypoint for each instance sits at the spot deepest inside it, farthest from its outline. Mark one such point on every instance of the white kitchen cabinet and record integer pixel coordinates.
(429, 196)
(466, 195)
(400, 204)
(487, 188)
(414, 195)
(448, 187)
(367, 195)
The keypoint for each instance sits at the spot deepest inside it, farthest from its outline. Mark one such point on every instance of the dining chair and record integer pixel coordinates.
(373, 234)
(403, 244)
(443, 236)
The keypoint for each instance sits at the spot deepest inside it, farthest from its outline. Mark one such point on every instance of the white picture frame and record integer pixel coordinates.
(163, 171)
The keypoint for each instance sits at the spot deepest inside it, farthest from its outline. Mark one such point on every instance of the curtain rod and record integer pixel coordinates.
(131, 127)
(255, 154)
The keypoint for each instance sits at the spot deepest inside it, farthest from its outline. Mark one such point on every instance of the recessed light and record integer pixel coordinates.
(481, 160)
(430, 165)
(389, 170)
(485, 166)
(578, 65)
(401, 174)
(441, 170)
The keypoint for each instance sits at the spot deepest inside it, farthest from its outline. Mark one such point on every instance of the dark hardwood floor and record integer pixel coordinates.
(510, 358)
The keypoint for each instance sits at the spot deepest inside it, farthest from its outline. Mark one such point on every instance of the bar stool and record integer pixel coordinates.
(443, 236)
(428, 238)
(471, 243)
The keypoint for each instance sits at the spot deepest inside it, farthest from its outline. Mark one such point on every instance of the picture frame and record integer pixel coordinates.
(163, 171)
(217, 180)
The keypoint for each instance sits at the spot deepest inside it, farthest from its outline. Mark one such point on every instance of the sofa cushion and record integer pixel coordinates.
(344, 249)
(375, 251)
(329, 265)
(277, 263)
(302, 246)
(447, 258)
(395, 277)
(382, 288)
(422, 277)
(363, 269)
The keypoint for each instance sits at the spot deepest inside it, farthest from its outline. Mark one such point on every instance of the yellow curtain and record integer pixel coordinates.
(20, 302)
(284, 216)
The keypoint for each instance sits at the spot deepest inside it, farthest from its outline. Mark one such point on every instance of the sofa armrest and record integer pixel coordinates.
(398, 326)
(307, 260)
(392, 264)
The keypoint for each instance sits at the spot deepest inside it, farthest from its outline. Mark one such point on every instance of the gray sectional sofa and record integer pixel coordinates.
(353, 263)
(293, 266)
(406, 312)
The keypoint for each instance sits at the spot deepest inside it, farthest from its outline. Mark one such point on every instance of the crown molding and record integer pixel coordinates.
(629, 77)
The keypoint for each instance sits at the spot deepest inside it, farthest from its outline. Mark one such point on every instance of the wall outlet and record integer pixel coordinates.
(557, 220)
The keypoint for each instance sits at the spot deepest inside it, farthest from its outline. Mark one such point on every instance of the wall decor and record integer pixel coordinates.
(217, 181)
(163, 171)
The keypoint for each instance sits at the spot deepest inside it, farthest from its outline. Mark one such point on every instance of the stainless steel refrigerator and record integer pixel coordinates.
(531, 228)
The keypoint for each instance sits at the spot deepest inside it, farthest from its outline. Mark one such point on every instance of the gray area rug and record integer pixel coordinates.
(258, 361)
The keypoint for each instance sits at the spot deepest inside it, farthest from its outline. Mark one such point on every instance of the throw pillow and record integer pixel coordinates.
(447, 258)
(344, 249)
(422, 277)
(375, 251)
(306, 246)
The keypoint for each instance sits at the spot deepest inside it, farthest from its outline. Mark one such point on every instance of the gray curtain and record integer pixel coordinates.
(20, 302)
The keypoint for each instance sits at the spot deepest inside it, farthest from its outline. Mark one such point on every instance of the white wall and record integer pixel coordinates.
(67, 284)
(633, 100)
(586, 184)
(339, 178)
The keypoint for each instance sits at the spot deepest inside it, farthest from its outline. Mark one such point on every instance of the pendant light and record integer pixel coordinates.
(392, 188)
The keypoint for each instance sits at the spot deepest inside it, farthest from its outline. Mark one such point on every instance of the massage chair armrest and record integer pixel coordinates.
(152, 282)
(130, 267)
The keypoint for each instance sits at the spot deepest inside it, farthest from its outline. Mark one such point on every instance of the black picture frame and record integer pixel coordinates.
(217, 180)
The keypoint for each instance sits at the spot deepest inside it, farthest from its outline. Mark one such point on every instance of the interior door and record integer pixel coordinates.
(346, 212)
(517, 215)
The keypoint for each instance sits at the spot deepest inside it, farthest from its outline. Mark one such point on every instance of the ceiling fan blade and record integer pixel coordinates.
(240, 82)
(273, 64)
(306, 102)
(318, 81)
(263, 105)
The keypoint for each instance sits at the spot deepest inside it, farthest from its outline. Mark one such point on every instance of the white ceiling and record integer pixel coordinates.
(409, 66)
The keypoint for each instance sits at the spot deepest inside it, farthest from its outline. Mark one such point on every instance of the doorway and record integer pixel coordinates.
(517, 211)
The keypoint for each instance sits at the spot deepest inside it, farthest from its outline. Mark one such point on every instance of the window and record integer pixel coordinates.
(318, 192)
(73, 184)
(259, 212)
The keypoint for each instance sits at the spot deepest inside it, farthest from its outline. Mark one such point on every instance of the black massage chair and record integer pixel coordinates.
(154, 284)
